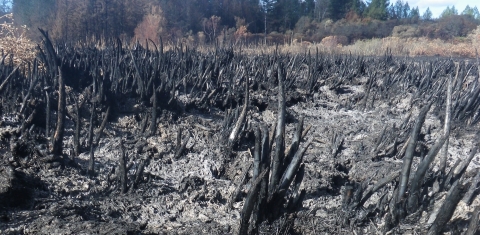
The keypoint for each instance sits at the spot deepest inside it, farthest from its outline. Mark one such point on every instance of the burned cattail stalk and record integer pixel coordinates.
(295, 143)
(30, 89)
(277, 163)
(474, 221)
(382, 182)
(379, 142)
(153, 125)
(143, 126)
(298, 194)
(27, 122)
(138, 175)
(179, 137)
(236, 129)
(58, 137)
(102, 126)
(306, 130)
(241, 182)
(76, 137)
(459, 171)
(4, 83)
(271, 137)
(472, 191)
(414, 195)
(367, 92)
(448, 178)
(336, 144)
(250, 202)
(122, 168)
(91, 163)
(454, 196)
(47, 121)
(292, 169)
(180, 146)
(407, 160)
(257, 153)
(265, 158)
(448, 119)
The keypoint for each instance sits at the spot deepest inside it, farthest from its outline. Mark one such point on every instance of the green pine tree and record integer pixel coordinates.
(378, 9)
(427, 15)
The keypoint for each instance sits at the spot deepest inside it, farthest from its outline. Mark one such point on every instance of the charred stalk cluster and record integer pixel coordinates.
(91, 87)
(416, 192)
(277, 171)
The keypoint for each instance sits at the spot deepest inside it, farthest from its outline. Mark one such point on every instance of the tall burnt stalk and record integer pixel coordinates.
(76, 137)
(55, 68)
(250, 202)
(452, 199)
(407, 160)
(91, 162)
(448, 118)
(47, 114)
(472, 191)
(181, 146)
(138, 175)
(292, 169)
(280, 132)
(414, 192)
(264, 164)
(153, 125)
(257, 167)
(290, 151)
(102, 127)
(58, 136)
(123, 168)
(236, 129)
(257, 158)
(473, 225)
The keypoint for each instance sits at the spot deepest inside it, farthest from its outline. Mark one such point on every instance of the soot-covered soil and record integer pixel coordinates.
(353, 122)
(183, 196)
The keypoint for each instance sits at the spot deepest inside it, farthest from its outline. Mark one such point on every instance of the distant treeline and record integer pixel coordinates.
(210, 20)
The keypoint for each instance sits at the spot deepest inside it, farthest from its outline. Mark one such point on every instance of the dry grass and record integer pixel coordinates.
(461, 47)
(13, 41)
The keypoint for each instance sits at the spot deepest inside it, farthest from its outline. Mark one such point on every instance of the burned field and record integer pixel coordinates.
(149, 141)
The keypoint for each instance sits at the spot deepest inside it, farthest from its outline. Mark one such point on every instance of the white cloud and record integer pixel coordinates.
(430, 3)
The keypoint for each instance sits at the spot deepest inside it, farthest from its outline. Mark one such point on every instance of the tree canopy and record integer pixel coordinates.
(71, 20)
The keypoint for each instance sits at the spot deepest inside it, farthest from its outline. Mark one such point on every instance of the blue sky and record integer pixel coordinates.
(437, 6)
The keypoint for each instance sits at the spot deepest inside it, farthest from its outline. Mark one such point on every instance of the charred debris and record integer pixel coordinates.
(90, 86)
